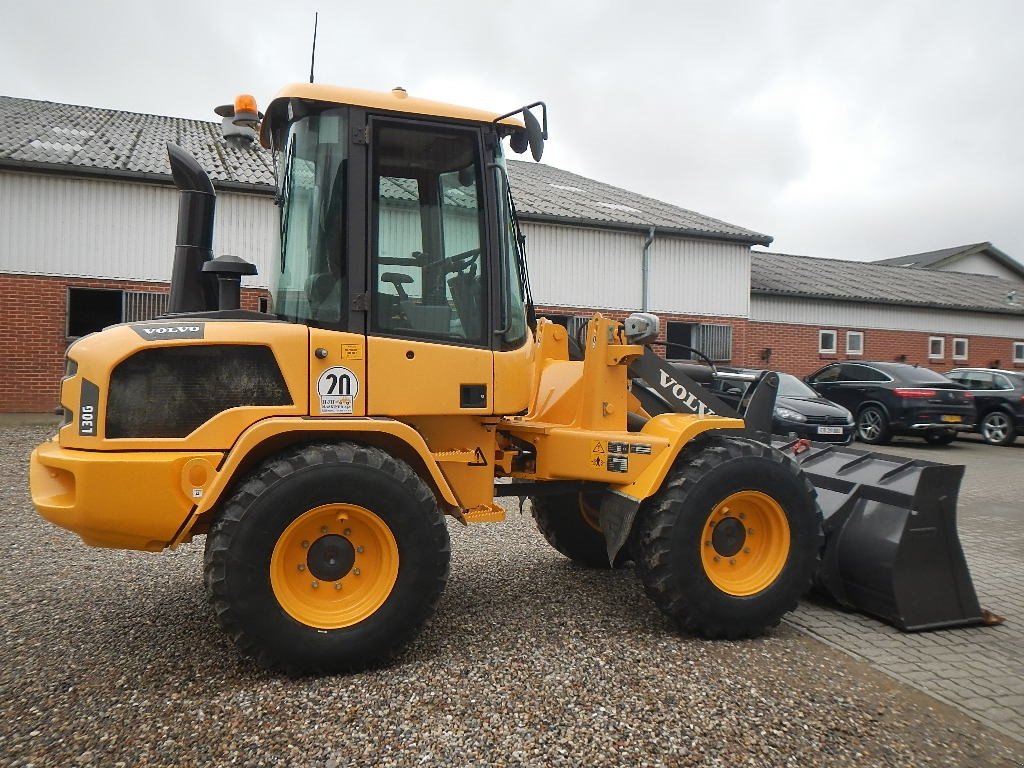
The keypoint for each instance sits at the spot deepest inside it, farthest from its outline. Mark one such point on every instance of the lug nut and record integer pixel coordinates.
(356, 571)
(360, 549)
(750, 531)
(316, 584)
(743, 515)
(732, 561)
(301, 567)
(717, 558)
(323, 529)
(305, 545)
(337, 585)
(746, 550)
(347, 531)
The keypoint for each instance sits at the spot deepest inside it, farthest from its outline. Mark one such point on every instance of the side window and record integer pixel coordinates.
(827, 374)
(1001, 382)
(427, 274)
(862, 373)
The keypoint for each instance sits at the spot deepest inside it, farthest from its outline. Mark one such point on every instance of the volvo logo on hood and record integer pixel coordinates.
(154, 331)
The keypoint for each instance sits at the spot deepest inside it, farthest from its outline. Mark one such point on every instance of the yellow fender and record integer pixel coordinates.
(269, 436)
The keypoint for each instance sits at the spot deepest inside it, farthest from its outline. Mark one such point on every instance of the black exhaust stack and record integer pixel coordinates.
(191, 289)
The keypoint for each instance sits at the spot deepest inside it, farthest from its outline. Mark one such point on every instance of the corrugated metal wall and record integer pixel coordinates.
(54, 225)
(828, 314)
(581, 267)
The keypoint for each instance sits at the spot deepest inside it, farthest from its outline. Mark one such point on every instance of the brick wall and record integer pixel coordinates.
(794, 348)
(33, 324)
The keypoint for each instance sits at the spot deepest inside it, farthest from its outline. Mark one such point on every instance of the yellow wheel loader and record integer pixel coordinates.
(402, 377)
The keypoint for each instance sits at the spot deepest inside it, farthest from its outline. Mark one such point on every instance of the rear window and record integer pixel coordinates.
(922, 376)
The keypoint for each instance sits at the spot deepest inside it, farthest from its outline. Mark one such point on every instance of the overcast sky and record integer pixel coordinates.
(856, 130)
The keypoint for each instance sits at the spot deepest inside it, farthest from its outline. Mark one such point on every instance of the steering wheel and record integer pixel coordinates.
(461, 261)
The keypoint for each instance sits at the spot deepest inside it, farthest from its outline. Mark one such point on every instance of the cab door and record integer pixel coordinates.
(429, 340)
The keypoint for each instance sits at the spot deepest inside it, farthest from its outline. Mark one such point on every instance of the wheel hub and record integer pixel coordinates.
(331, 557)
(728, 537)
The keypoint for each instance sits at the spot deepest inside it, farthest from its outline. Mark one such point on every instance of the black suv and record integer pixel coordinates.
(999, 398)
(897, 399)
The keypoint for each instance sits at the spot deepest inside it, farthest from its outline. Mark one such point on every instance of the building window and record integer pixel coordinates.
(855, 342)
(93, 309)
(960, 349)
(827, 342)
(936, 347)
(1018, 351)
(711, 339)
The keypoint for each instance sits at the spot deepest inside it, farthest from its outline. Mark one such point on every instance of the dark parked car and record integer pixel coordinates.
(999, 398)
(897, 399)
(799, 410)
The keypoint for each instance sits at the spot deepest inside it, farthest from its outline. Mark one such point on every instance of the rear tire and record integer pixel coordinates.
(997, 428)
(328, 558)
(873, 426)
(940, 436)
(731, 541)
(569, 522)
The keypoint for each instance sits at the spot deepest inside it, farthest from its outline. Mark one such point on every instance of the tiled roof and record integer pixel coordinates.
(542, 191)
(927, 259)
(110, 142)
(807, 277)
(948, 257)
(40, 134)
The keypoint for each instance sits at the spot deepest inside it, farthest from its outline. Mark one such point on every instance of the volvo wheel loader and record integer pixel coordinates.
(401, 377)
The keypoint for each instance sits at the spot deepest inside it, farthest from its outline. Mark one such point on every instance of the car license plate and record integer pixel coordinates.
(830, 430)
(949, 419)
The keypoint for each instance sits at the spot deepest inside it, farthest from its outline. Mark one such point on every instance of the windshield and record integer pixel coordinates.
(311, 284)
(791, 386)
(515, 283)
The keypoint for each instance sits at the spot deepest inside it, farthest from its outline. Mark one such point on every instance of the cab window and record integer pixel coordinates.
(427, 221)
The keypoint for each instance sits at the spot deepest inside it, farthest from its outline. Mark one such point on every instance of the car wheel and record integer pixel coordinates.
(940, 436)
(997, 428)
(873, 426)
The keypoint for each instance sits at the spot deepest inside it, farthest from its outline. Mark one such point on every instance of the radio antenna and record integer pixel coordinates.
(312, 56)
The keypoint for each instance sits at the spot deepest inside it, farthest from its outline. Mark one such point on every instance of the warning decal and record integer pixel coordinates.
(598, 447)
(338, 388)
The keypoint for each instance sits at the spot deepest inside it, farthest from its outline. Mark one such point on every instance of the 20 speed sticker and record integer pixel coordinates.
(338, 388)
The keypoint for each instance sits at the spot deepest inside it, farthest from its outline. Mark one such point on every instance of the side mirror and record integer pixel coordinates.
(535, 135)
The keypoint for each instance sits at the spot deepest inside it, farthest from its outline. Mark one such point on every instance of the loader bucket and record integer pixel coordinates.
(891, 543)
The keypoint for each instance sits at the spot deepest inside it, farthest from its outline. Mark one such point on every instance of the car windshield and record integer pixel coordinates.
(791, 386)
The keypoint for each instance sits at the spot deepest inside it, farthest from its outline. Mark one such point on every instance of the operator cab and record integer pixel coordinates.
(396, 217)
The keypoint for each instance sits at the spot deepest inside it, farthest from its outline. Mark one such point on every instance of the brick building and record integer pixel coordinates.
(87, 221)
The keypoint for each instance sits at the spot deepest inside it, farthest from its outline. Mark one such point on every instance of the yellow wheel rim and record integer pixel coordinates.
(745, 543)
(591, 514)
(334, 566)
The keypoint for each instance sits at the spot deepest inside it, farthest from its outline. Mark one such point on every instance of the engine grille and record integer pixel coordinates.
(170, 391)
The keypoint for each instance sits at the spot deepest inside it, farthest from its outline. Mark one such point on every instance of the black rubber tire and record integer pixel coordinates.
(560, 519)
(997, 428)
(240, 544)
(671, 529)
(940, 436)
(873, 426)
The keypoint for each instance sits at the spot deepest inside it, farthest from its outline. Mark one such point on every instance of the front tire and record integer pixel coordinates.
(328, 558)
(873, 426)
(731, 541)
(997, 428)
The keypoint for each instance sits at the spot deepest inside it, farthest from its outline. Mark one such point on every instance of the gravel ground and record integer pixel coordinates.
(112, 658)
